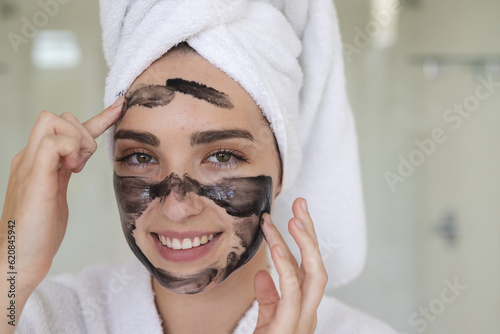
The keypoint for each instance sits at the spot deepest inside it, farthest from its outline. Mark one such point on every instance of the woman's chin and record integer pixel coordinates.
(188, 283)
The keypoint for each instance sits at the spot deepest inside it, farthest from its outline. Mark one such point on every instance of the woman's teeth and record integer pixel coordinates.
(186, 243)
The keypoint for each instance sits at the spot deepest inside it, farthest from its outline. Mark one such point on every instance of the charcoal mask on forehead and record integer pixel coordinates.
(242, 200)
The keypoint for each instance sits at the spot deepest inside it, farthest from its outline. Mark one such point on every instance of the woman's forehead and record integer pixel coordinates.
(161, 95)
(185, 91)
(185, 114)
(191, 67)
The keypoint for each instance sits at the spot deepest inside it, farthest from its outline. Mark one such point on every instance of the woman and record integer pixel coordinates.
(198, 163)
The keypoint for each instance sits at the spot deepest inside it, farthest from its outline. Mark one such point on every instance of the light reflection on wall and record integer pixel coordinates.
(55, 50)
(384, 19)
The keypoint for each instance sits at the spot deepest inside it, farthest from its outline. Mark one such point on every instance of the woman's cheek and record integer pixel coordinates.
(248, 238)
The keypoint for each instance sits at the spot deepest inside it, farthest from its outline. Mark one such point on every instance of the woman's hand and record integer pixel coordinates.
(36, 195)
(301, 287)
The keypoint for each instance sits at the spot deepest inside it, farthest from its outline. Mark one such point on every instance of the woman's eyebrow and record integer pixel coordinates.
(206, 137)
(140, 137)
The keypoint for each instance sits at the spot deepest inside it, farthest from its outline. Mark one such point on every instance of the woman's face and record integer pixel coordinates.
(195, 167)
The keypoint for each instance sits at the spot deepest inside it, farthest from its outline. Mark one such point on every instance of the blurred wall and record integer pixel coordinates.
(380, 95)
(438, 225)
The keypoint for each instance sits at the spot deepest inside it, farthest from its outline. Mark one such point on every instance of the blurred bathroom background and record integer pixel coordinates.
(423, 78)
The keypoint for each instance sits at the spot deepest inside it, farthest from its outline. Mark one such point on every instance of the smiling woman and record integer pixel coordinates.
(191, 211)
(207, 130)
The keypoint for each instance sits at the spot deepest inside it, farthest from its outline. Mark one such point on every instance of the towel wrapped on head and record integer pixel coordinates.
(287, 54)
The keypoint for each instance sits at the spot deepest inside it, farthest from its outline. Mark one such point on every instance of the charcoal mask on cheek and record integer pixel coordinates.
(244, 200)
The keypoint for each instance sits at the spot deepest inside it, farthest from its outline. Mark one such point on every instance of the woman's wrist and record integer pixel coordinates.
(17, 283)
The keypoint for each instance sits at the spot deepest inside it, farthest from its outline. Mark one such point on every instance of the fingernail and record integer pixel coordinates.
(118, 102)
(304, 205)
(299, 224)
(268, 220)
(280, 251)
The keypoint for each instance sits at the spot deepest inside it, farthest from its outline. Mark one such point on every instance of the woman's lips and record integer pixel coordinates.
(184, 247)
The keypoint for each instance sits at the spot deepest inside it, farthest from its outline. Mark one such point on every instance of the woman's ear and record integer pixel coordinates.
(278, 190)
(280, 178)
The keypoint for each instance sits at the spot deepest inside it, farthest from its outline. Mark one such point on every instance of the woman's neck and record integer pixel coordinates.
(215, 311)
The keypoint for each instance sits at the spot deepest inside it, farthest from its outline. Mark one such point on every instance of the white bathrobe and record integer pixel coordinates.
(108, 299)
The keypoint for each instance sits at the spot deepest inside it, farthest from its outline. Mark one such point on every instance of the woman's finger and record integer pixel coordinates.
(315, 275)
(268, 298)
(273, 237)
(301, 227)
(289, 307)
(48, 124)
(101, 122)
(300, 210)
(56, 151)
(301, 288)
(88, 144)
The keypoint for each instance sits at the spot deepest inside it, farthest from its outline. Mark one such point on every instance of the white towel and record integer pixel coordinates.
(120, 300)
(287, 55)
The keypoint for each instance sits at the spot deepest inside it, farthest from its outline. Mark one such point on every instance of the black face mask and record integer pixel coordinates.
(245, 199)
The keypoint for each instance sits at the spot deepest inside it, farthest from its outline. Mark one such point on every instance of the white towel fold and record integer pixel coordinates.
(287, 55)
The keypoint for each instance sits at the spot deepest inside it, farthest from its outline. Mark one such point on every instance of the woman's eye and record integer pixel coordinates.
(143, 158)
(137, 159)
(225, 159)
(220, 157)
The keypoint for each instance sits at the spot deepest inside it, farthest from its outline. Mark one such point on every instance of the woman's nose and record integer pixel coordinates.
(179, 208)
